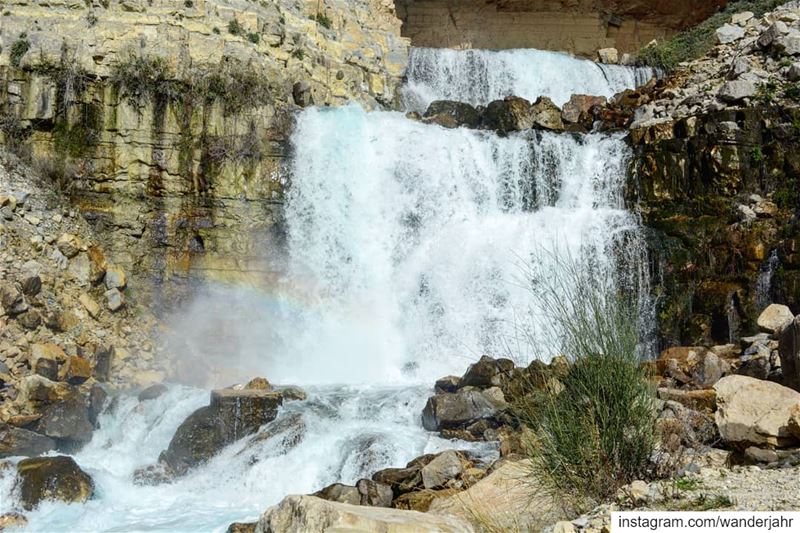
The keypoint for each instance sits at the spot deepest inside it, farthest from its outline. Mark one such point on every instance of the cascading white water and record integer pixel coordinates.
(405, 246)
(480, 76)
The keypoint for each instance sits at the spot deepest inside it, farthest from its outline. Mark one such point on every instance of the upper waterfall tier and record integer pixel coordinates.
(480, 76)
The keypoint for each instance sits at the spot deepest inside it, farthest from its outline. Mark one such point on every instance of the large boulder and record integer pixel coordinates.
(577, 109)
(68, 422)
(754, 412)
(729, 33)
(460, 409)
(341, 493)
(446, 466)
(506, 499)
(17, 441)
(736, 91)
(509, 114)
(52, 478)
(303, 514)
(485, 373)
(774, 318)
(452, 114)
(231, 415)
(789, 352)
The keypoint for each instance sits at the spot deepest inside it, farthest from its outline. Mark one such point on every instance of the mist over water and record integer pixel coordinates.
(405, 248)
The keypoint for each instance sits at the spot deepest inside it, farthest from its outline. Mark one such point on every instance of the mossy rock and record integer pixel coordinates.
(52, 478)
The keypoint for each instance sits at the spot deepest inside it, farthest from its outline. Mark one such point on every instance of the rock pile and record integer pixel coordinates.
(67, 335)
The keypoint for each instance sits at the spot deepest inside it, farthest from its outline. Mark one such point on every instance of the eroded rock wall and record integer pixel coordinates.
(167, 122)
(578, 26)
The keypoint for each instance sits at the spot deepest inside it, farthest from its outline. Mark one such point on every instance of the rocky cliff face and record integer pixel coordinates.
(578, 26)
(167, 121)
(716, 179)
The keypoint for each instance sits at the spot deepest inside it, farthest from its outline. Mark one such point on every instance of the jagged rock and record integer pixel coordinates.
(774, 318)
(258, 383)
(740, 19)
(231, 415)
(458, 410)
(729, 33)
(737, 90)
(788, 44)
(401, 480)
(452, 114)
(90, 305)
(302, 514)
(794, 72)
(509, 114)
(338, 492)
(291, 393)
(443, 468)
(446, 384)
(487, 372)
(11, 298)
(754, 412)
(31, 284)
(242, 527)
(18, 441)
(52, 478)
(421, 500)
(69, 245)
(771, 34)
(152, 392)
(97, 402)
(31, 319)
(698, 400)
(77, 370)
(67, 421)
(373, 493)
(579, 106)
(546, 114)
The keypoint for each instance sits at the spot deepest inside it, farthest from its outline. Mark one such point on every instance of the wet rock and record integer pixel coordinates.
(52, 478)
(546, 114)
(18, 441)
(242, 527)
(97, 402)
(487, 372)
(68, 422)
(103, 356)
(401, 480)
(152, 392)
(754, 412)
(508, 115)
(451, 114)
(231, 415)
(291, 393)
(789, 353)
(443, 468)
(374, 494)
(301, 94)
(302, 514)
(577, 109)
(736, 91)
(458, 410)
(446, 384)
(774, 318)
(258, 384)
(338, 492)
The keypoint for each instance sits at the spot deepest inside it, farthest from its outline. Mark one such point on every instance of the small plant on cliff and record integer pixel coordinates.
(234, 28)
(767, 92)
(756, 155)
(141, 79)
(254, 38)
(595, 429)
(19, 49)
(792, 91)
(323, 20)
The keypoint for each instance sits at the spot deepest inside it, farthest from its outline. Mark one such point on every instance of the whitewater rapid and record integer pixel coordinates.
(406, 246)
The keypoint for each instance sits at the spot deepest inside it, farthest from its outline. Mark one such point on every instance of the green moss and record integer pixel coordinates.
(75, 140)
(234, 28)
(299, 54)
(19, 49)
(695, 42)
(254, 38)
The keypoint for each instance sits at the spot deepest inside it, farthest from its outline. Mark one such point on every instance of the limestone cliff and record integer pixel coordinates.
(167, 121)
(578, 26)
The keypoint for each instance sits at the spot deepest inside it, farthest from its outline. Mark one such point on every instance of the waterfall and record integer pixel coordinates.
(410, 237)
(406, 243)
(480, 76)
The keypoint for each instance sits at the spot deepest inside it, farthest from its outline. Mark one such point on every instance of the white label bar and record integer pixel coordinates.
(706, 522)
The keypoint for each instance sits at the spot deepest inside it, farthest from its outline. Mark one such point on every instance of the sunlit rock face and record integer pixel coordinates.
(578, 26)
